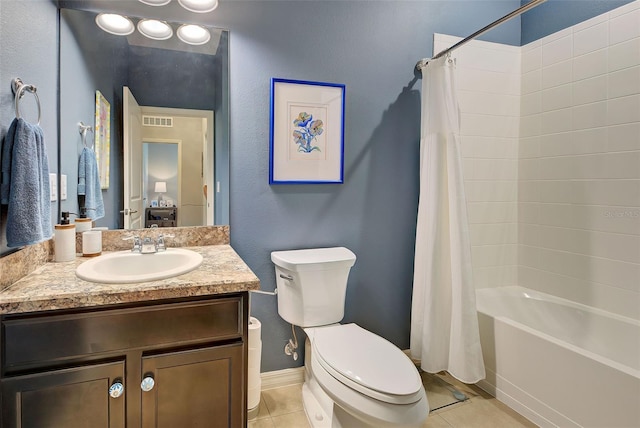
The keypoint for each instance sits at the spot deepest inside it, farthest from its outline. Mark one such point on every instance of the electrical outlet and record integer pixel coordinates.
(63, 187)
(53, 187)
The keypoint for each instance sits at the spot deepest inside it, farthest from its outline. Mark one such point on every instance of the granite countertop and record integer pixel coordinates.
(55, 285)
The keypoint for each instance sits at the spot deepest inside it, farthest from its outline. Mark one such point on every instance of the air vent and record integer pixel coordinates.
(161, 121)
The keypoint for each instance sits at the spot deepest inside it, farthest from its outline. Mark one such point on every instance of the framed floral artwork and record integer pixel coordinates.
(102, 143)
(307, 132)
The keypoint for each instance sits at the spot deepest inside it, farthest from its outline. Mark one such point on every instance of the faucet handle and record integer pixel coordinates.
(137, 243)
(160, 244)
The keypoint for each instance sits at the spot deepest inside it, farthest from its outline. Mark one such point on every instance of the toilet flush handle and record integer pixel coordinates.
(287, 277)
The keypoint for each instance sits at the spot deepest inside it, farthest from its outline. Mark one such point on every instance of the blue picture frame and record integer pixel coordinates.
(307, 132)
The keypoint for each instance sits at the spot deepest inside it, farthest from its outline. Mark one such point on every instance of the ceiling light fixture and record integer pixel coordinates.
(193, 34)
(199, 6)
(154, 29)
(155, 2)
(115, 24)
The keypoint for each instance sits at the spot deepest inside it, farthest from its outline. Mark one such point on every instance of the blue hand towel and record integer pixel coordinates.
(25, 185)
(89, 184)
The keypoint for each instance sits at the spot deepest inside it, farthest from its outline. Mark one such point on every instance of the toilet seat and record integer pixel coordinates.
(345, 352)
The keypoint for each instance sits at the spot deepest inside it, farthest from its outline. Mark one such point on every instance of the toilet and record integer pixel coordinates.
(353, 378)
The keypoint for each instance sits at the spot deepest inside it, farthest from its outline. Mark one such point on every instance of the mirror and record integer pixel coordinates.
(182, 94)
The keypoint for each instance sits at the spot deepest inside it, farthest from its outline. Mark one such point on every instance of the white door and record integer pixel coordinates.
(132, 121)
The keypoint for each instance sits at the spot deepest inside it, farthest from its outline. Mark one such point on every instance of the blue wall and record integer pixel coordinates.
(28, 47)
(371, 47)
(556, 15)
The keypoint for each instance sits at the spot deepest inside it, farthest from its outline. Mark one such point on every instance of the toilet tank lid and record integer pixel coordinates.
(312, 259)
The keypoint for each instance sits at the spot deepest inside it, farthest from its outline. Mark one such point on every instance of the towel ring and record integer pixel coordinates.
(83, 132)
(19, 88)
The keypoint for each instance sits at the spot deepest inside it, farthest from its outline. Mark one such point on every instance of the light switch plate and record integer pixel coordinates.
(63, 187)
(53, 187)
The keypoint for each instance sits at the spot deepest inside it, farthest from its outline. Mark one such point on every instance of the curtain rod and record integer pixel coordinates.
(517, 12)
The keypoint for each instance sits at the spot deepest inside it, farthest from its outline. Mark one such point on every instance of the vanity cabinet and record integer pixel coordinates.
(180, 363)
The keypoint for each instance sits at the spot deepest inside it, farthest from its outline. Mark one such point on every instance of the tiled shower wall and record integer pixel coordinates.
(579, 163)
(550, 137)
(488, 88)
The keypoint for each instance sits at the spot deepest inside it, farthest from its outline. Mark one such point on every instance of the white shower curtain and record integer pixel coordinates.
(444, 324)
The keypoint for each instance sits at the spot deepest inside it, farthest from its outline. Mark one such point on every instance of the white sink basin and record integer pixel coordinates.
(126, 267)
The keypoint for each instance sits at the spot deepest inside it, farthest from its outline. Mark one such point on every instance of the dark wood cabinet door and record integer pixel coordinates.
(195, 388)
(76, 397)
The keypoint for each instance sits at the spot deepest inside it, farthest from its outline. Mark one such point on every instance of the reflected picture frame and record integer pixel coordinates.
(102, 138)
(307, 132)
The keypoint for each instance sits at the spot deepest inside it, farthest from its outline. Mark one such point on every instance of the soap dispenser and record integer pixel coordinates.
(83, 223)
(64, 240)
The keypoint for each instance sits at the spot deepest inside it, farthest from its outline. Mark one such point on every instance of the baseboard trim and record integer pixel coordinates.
(280, 378)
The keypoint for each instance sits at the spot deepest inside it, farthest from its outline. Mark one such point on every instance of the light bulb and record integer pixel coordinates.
(193, 34)
(115, 24)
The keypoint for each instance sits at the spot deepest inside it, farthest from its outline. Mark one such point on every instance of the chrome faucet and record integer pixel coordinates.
(137, 243)
(148, 245)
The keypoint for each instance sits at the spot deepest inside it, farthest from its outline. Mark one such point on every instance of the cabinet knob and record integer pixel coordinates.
(116, 389)
(147, 383)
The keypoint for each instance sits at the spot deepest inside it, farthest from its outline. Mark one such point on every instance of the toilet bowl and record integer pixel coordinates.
(353, 378)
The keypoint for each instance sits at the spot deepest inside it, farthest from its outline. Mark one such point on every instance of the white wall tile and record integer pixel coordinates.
(532, 59)
(591, 39)
(556, 121)
(624, 82)
(490, 147)
(606, 192)
(590, 115)
(494, 255)
(528, 191)
(623, 165)
(557, 74)
(557, 97)
(492, 190)
(624, 27)
(528, 212)
(531, 81)
(590, 90)
(590, 65)
(557, 168)
(492, 212)
(529, 147)
(528, 234)
(587, 242)
(528, 169)
(487, 125)
(590, 141)
(623, 110)
(623, 137)
(625, 54)
(556, 144)
(557, 50)
(493, 234)
(555, 191)
(531, 104)
(530, 126)
(489, 103)
(488, 81)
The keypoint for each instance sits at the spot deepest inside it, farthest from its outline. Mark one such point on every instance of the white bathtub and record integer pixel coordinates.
(557, 362)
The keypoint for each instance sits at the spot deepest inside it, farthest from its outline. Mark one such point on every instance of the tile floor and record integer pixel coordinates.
(282, 408)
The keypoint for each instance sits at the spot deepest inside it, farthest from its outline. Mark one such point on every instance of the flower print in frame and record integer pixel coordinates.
(307, 132)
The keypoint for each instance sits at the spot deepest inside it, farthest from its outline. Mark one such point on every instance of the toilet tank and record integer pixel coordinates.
(312, 284)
